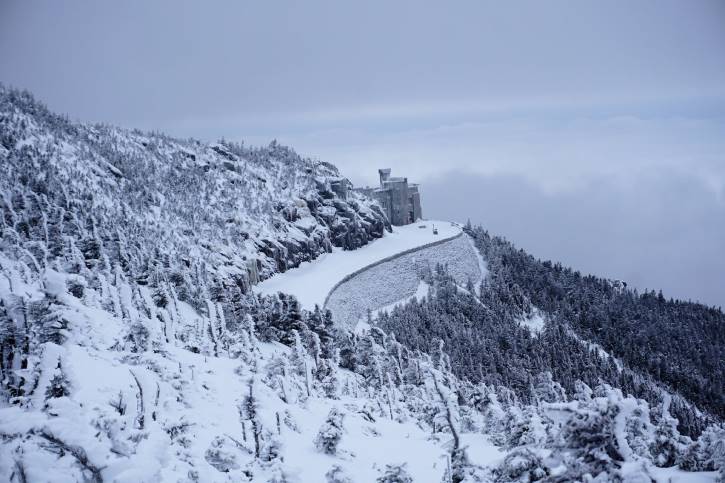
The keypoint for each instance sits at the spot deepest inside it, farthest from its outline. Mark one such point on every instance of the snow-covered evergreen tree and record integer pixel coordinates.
(337, 475)
(59, 386)
(330, 434)
(666, 446)
(521, 465)
(395, 474)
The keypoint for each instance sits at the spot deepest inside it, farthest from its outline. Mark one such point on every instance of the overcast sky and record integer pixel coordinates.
(587, 132)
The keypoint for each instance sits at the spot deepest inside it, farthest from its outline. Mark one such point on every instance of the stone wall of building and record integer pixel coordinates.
(396, 278)
(417, 211)
(399, 196)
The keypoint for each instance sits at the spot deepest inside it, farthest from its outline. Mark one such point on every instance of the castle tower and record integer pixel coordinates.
(399, 200)
(384, 176)
(416, 212)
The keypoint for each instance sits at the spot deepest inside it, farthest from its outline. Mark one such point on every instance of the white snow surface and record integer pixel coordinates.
(594, 347)
(535, 322)
(311, 282)
(480, 261)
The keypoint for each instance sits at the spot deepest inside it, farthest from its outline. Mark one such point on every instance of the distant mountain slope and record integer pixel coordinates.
(672, 345)
(680, 344)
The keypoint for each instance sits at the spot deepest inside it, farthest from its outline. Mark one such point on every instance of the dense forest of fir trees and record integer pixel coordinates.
(655, 343)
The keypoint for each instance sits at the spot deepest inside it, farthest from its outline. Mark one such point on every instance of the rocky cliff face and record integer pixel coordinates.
(76, 197)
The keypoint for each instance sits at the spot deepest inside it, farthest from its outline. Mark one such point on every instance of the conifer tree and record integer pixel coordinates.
(330, 434)
(395, 474)
(666, 447)
(59, 386)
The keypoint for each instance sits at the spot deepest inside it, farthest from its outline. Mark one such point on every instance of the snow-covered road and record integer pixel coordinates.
(312, 281)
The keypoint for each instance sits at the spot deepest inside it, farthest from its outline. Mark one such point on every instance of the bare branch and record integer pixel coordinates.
(76, 451)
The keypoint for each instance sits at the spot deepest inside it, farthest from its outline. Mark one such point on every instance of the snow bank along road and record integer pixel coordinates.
(311, 282)
(398, 279)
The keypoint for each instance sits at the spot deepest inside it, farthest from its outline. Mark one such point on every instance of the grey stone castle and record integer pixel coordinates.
(399, 199)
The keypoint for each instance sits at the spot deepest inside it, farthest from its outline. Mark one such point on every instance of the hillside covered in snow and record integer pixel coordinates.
(133, 347)
(144, 197)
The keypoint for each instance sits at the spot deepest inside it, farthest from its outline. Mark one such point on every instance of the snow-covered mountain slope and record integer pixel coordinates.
(228, 209)
(113, 400)
(133, 350)
(172, 415)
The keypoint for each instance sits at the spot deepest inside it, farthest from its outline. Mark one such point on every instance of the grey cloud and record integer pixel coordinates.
(666, 230)
(154, 63)
(552, 153)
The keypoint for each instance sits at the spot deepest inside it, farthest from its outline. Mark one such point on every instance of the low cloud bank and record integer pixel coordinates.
(660, 230)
